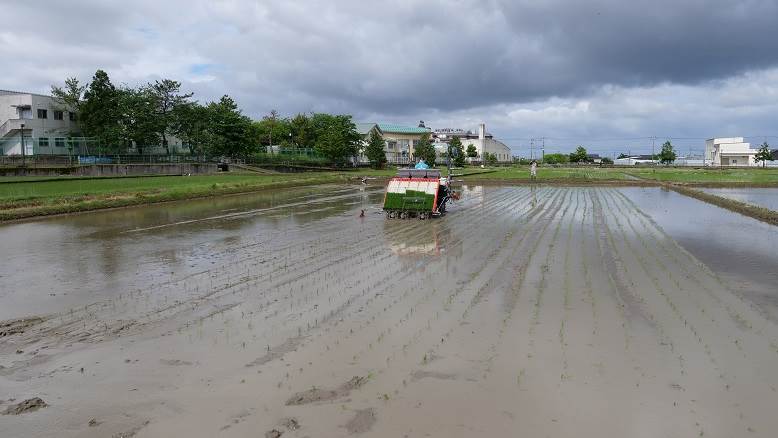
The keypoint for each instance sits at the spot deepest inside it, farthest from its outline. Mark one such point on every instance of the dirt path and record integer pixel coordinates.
(527, 311)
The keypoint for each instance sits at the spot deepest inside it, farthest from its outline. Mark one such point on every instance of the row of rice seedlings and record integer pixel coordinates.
(404, 318)
(490, 351)
(692, 268)
(519, 274)
(705, 312)
(585, 231)
(675, 311)
(606, 247)
(697, 335)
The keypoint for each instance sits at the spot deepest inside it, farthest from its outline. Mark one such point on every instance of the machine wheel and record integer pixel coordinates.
(404, 215)
(423, 215)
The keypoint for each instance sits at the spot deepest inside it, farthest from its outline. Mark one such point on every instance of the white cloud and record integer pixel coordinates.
(561, 69)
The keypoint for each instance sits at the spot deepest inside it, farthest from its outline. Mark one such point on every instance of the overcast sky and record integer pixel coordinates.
(607, 74)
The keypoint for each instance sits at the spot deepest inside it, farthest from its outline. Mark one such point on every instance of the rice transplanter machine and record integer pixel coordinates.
(421, 193)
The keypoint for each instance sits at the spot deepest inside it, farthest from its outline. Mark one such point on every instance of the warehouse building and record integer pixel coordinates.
(481, 140)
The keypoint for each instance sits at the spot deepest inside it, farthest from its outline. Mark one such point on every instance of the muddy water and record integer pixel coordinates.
(739, 249)
(761, 197)
(55, 264)
(527, 311)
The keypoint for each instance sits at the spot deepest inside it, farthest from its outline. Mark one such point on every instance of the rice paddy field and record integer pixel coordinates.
(525, 311)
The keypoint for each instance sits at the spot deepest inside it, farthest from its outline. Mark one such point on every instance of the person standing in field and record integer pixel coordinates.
(533, 169)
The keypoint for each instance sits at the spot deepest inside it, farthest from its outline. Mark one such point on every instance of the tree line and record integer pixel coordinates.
(120, 117)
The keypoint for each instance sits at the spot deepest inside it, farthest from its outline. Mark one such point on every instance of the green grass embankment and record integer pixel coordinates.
(22, 199)
(40, 198)
(521, 174)
(711, 177)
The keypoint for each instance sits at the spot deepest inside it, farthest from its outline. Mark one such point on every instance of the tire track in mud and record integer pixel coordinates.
(464, 306)
(508, 278)
(476, 310)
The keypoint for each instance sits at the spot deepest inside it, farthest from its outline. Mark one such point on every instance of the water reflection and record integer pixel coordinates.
(740, 249)
(761, 197)
(429, 242)
(56, 263)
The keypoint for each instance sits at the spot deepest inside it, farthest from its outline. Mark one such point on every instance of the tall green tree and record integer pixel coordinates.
(336, 137)
(375, 150)
(472, 152)
(166, 96)
(490, 158)
(425, 150)
(556, 158)
(457, 152)
(70, 97)
(763, 154)
(100, 112)
(300, 128)
(667, 154)
(579, 156)
(274, 130)
(229, 131)
(190, 122)
(138, 122)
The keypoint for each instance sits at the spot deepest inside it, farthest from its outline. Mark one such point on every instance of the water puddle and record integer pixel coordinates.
(761, 197)
(739, 249)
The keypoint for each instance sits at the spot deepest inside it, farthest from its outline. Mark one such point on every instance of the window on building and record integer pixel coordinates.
(25, 112)
(58, 115)
(72, 116)
(43, 142)
(59, 142)
(43, 114)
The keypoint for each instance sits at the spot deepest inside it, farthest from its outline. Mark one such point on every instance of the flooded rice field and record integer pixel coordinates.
(527, 311)
(761, 197)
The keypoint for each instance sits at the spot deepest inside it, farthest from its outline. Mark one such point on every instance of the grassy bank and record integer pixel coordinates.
(707, 177)
(712, 177)
(522, 174)
(49, 197)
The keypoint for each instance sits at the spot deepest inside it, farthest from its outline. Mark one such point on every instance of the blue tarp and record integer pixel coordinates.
(421, 165)
(94, 160)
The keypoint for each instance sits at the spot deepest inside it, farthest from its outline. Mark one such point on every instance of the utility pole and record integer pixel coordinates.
(22, 131)
(543, 150)
(653, 140)
(531, 149)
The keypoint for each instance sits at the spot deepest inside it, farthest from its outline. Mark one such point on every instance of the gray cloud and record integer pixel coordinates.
(567, 68)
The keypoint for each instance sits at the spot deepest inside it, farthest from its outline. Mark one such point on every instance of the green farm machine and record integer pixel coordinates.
(420, 193)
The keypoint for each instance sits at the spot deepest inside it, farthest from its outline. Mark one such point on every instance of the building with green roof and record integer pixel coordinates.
(400, 139)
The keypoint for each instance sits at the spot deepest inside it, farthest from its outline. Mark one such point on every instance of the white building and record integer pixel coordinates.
(732, 151)
(47, 124)
(483, 142)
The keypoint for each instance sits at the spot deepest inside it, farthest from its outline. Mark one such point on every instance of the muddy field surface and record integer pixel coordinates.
(548, 311)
